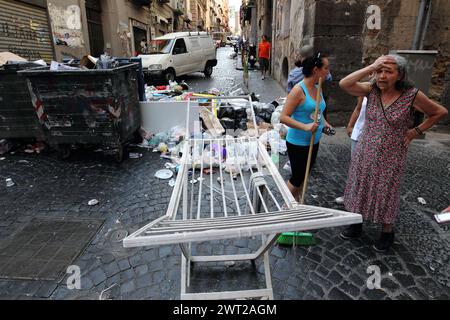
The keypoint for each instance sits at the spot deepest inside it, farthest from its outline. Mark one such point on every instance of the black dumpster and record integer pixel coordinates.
(17, 117)
(90, 107)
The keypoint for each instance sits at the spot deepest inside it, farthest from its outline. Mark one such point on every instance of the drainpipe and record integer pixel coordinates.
(419, 22)
(427, 23)
(274, 34)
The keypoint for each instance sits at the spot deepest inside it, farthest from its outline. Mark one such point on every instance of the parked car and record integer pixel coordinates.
(177, 54)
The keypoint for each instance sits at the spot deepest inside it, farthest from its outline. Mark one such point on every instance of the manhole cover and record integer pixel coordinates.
(45, 248)
(118, 235)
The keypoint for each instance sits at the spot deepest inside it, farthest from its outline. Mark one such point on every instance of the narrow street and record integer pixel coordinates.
(225, 76)
(51, 194)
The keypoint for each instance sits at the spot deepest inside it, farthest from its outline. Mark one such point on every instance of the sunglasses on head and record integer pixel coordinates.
(317, 60)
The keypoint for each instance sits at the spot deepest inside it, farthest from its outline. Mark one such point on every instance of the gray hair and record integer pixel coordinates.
(306, 51)
(402, 67)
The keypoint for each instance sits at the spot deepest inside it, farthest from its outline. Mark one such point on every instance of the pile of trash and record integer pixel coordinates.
(172, 92)
(88, 62)
(233, 119)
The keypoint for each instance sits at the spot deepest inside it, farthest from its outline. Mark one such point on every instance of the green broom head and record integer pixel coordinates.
(297, 238)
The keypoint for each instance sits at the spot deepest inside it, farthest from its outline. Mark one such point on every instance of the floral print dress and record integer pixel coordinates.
(378, 163)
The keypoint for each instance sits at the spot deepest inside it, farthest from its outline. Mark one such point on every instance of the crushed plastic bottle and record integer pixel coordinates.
(9, 182)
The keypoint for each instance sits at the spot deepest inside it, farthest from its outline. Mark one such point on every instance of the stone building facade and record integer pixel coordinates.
(353, 34)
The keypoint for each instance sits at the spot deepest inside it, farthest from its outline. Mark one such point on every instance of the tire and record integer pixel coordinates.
(208, 70)
(169, 75)
(122, 153)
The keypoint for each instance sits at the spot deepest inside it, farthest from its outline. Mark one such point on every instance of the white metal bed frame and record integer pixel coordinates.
(199, 223)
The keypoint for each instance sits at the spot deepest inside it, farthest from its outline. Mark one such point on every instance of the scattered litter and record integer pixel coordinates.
(194, 181)
(93, 202)
(169, 165)
(164, 174)
(9, 182)
(314, 196)
(2, 158)
(287, 166)
(230, 264)
(5, 146)
(442, 217)
(172, 183)
(35, 148)
(56, 66)
(23, 161)
(134, 155)
(421, 200)
(162, 147)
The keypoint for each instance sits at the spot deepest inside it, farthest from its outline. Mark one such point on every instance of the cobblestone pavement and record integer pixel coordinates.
(129, 197)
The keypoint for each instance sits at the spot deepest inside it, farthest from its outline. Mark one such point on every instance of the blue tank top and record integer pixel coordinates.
(305, 113)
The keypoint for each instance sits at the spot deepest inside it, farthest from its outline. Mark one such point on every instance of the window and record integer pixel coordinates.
(180, 47)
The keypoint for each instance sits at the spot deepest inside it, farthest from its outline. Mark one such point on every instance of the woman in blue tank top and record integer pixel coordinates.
(298, 115)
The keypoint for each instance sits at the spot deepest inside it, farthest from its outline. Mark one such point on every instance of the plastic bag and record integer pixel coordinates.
(177, 133)
(158, 138)
(106, 62)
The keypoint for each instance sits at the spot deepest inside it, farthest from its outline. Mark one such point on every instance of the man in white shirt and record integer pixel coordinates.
(355, 127)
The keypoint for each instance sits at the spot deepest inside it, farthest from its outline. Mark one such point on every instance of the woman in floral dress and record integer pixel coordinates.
(378, 164)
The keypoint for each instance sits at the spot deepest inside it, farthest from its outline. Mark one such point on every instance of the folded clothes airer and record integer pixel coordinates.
(242, 196)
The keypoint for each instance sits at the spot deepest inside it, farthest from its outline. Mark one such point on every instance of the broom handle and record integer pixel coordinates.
(311, 144)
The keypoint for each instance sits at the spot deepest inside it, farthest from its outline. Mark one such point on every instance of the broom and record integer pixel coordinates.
(304, 238)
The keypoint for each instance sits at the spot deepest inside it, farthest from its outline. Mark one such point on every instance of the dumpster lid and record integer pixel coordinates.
(47, 71)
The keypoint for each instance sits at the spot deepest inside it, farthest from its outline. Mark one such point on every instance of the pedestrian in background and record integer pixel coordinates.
(298, 115)
(264, 55)
(378, 164)
(296, 74)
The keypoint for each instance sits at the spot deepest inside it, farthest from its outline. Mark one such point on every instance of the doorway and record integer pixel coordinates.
(140, 36)
(95, 30)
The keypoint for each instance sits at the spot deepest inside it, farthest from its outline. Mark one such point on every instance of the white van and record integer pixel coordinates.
(177, 54)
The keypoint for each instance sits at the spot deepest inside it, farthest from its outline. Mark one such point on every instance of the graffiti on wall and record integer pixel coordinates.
(22, 35)
(66, 25)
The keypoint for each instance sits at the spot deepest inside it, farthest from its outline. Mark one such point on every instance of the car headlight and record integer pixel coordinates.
(155, 67)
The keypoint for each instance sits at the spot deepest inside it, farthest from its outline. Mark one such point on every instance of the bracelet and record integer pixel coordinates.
(420, 132)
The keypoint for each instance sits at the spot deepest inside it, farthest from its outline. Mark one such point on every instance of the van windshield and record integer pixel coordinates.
(160, 46)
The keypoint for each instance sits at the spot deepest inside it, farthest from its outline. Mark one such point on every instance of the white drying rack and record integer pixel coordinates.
(243, 198)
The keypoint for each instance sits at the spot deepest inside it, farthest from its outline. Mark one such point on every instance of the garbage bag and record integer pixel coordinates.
(106, 62)
(227, 123)
(227, 112)
(240, 113)
(241, 124)
(265, 111)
